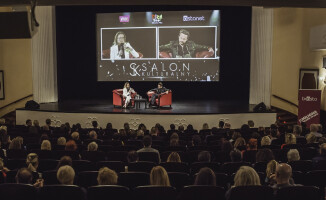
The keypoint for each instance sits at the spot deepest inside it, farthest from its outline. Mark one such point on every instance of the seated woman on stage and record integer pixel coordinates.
(127, 91)
(159, 90)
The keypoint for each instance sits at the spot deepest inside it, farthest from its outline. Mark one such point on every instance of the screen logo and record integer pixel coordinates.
(124, 18)
(157, 19)
(187, 18)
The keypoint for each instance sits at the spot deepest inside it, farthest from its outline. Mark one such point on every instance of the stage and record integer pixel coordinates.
(181, 113)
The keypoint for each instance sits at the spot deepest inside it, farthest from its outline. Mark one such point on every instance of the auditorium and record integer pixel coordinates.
(164, 100)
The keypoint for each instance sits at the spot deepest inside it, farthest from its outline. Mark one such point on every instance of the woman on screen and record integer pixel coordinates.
(121, 49)
(127, 91)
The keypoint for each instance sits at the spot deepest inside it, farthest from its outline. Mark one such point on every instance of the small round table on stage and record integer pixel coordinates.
(139, 101)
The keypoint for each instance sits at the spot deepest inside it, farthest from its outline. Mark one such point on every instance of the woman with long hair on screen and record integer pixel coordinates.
(121, 49)
(127, 91)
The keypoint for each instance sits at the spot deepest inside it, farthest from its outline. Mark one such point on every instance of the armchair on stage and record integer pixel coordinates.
(119, 100)
(163, 99)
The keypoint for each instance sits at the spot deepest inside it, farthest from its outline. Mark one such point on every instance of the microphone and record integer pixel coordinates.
(121, 50)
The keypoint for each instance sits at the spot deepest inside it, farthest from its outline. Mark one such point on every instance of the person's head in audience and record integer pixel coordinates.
(271, 167)
(290, 138)
(94, 124)
(236, 135)
(322, 149)
(273, 133)
(2, 121)
(239, 142)
(221, 124)
(93, 135)
(204, 156)
(297, 130)
(196, 140)
(174, 157)
(252, 144)
(107, 176)
(205, 126)
(24, 176)
(226, 146)
(65, 160)
(181, 128)
(36, 123)
(159, 177)
(48, 122)
(46, 145)
(174, 136)
(71, 146)
(172, 127)
(142, 127)
(227, 125)
(66, 175)
(126, 126)
(61, 141)
(15, 144)
(28, 122)
(140, 134)
(321, 141)
(190, 127)
(109, 126)
(205, 176)
(147, 141)
(311, 138)
(235, 156)
(20, 139)
(251, 123)
(153, 131)
(32, 162)
(264, 155)
(132, 156)
(320, 128)
(293, 155)
(283, 173)
(75, 136)
(174, 143)
(246, 176)
(44, 136)
(45, 128)
(92, 146)
(265, 141)
(314, 128)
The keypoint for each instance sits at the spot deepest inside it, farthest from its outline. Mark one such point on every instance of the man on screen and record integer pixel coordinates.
(159, 90)
(121, 49)
(183, 47)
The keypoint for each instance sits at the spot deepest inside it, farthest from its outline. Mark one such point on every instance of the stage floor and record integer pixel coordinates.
(178, 107)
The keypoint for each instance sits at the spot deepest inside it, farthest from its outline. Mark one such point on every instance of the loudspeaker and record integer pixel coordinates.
(261, 107)
(32, 105)
(16, 25)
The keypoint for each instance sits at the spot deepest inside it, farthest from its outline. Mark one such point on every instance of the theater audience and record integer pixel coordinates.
(205, 176)
(293, 155)
(140, 134)
(297, 130)
(66, 175)
(283, 175)
(311, 138)
(321, 156)
(32, 163)
(147, 142)
(159, 177)
(240, 144)
(251, 124)
(181, 128)
(204, 156)
(270, 172)
(132, 156)
(252, 144)
(15, 144)
(75, 137)
(265, 141)
(174, 157)
(196, 140)
(24, 176)
(46, 145)
(235, 156)
(107, 176)
(264, 155)
(71, 146)
(221, 124)
(314, 130)
(289, 139)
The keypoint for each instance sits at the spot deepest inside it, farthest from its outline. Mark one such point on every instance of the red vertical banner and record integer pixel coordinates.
(309, 107)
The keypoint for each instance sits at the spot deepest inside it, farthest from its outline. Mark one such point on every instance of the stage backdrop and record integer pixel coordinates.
(76, 56)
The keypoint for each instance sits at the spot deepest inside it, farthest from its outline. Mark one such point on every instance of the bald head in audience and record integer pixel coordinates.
(283, 173)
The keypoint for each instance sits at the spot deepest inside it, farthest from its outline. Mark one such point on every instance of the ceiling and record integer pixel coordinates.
(266, 3)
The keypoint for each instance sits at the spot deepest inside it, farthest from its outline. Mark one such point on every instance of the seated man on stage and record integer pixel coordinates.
(159, 90)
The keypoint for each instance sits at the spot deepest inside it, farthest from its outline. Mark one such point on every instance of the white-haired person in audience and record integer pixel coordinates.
(283, 176)
(265, 141)
(61, 141)
(107, 176)
(314, 128)
(293, 155)
(75, 137)
(245, 176)
(66, 175)
(46, 145)
(289, 139)
(92, 146)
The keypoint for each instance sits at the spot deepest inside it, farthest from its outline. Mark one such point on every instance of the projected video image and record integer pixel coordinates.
(158, 46)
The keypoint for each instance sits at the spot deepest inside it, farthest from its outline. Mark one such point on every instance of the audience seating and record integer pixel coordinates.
(298, 192)
(175, 167)
(230, 168)
(179, 179)
(47, 164)
(13, 191)
(11, 176)
(93, 156)
(108, 192)
(195, 192)
(155, 192)
(141, 166)
(149, 156)
(301, 165)
(87, 179)
(83, 165)
(62, 192)
(195, 167)
(16, 154)
(133, 179)
(252, 193)
(50, 177)
(16, 163)
(222, 180)
(117, 166)
(260, 166)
